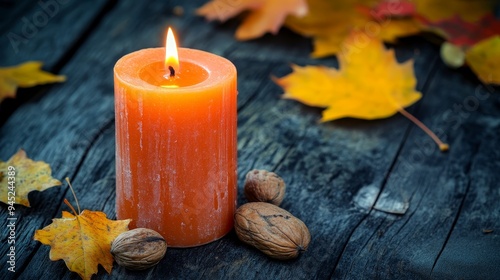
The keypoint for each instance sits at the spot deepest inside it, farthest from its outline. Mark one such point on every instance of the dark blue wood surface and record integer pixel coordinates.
(344, 178)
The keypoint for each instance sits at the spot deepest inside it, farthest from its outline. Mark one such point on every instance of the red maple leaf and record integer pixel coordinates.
(388, 9)
(462, 33)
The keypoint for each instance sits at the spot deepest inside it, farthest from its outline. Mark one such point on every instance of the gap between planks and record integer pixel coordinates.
(428, 81)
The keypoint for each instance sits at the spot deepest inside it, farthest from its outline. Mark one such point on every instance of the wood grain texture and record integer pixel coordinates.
(335, 172)
(47, 30)
(441, 190)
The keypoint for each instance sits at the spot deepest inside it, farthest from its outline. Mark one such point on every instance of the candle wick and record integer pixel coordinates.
(172, 71)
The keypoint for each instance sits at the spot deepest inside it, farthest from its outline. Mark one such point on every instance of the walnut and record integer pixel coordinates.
(139, 249)
(272, 230)
(264, 186)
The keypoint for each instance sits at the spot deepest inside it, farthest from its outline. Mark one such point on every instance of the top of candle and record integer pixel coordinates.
(144, 71)
(171, 56)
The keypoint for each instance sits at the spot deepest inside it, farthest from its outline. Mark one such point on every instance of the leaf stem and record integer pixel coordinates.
(70, 206)
(442, 146)
(74, 195)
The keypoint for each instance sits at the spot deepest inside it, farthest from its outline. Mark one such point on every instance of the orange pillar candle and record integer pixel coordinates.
(176, 143)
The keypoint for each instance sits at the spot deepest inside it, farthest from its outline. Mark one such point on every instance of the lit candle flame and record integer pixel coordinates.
(171, 56)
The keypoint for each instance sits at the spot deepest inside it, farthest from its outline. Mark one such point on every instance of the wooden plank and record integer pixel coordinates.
(79, 137)
(46, 30)
(27, 127)
(445, 192)
(49, 31)
(277, 131)
(61, 127)
(12, 11)
(324, 165)
(472, 251)
(36, 35)
(95, 187)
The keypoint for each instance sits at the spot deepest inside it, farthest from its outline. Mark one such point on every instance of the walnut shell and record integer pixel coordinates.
(264, 186)
(272, 230)
(138, 249)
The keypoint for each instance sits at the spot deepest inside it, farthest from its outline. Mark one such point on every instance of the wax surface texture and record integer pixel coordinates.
(176, 151)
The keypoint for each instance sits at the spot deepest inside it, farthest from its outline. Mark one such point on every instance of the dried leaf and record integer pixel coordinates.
(24, 75)
(330, 22)
(390, 8)
(462, 44)
(465, 9)
(484, 59)
(370, 84)
(82, 241)
(463, 33)
(265, 15)
(29, 176)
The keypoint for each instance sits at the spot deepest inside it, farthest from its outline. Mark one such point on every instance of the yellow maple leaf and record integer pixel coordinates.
(27, 176)
(24, 75)
(82, 241)
(330, 22)
(265, 15)
(370, 83)
(484, 59)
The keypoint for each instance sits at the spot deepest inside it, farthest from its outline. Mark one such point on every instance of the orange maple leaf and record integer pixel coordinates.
(82, 241)
(24, 75)
(24, 176)
(265, 15)
(370, 84)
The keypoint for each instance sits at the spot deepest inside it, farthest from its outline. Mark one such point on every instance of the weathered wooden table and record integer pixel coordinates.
(350, 180)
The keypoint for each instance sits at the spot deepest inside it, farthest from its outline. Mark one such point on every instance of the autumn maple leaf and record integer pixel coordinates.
(370, 84)
(265, 15)
(28, 74)
(484, 59)
(434, 10)
(465, 9)
(329, 23)
(463, 33)
(471, 42)
(389, 8)
(24, 176)
(83, 241)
